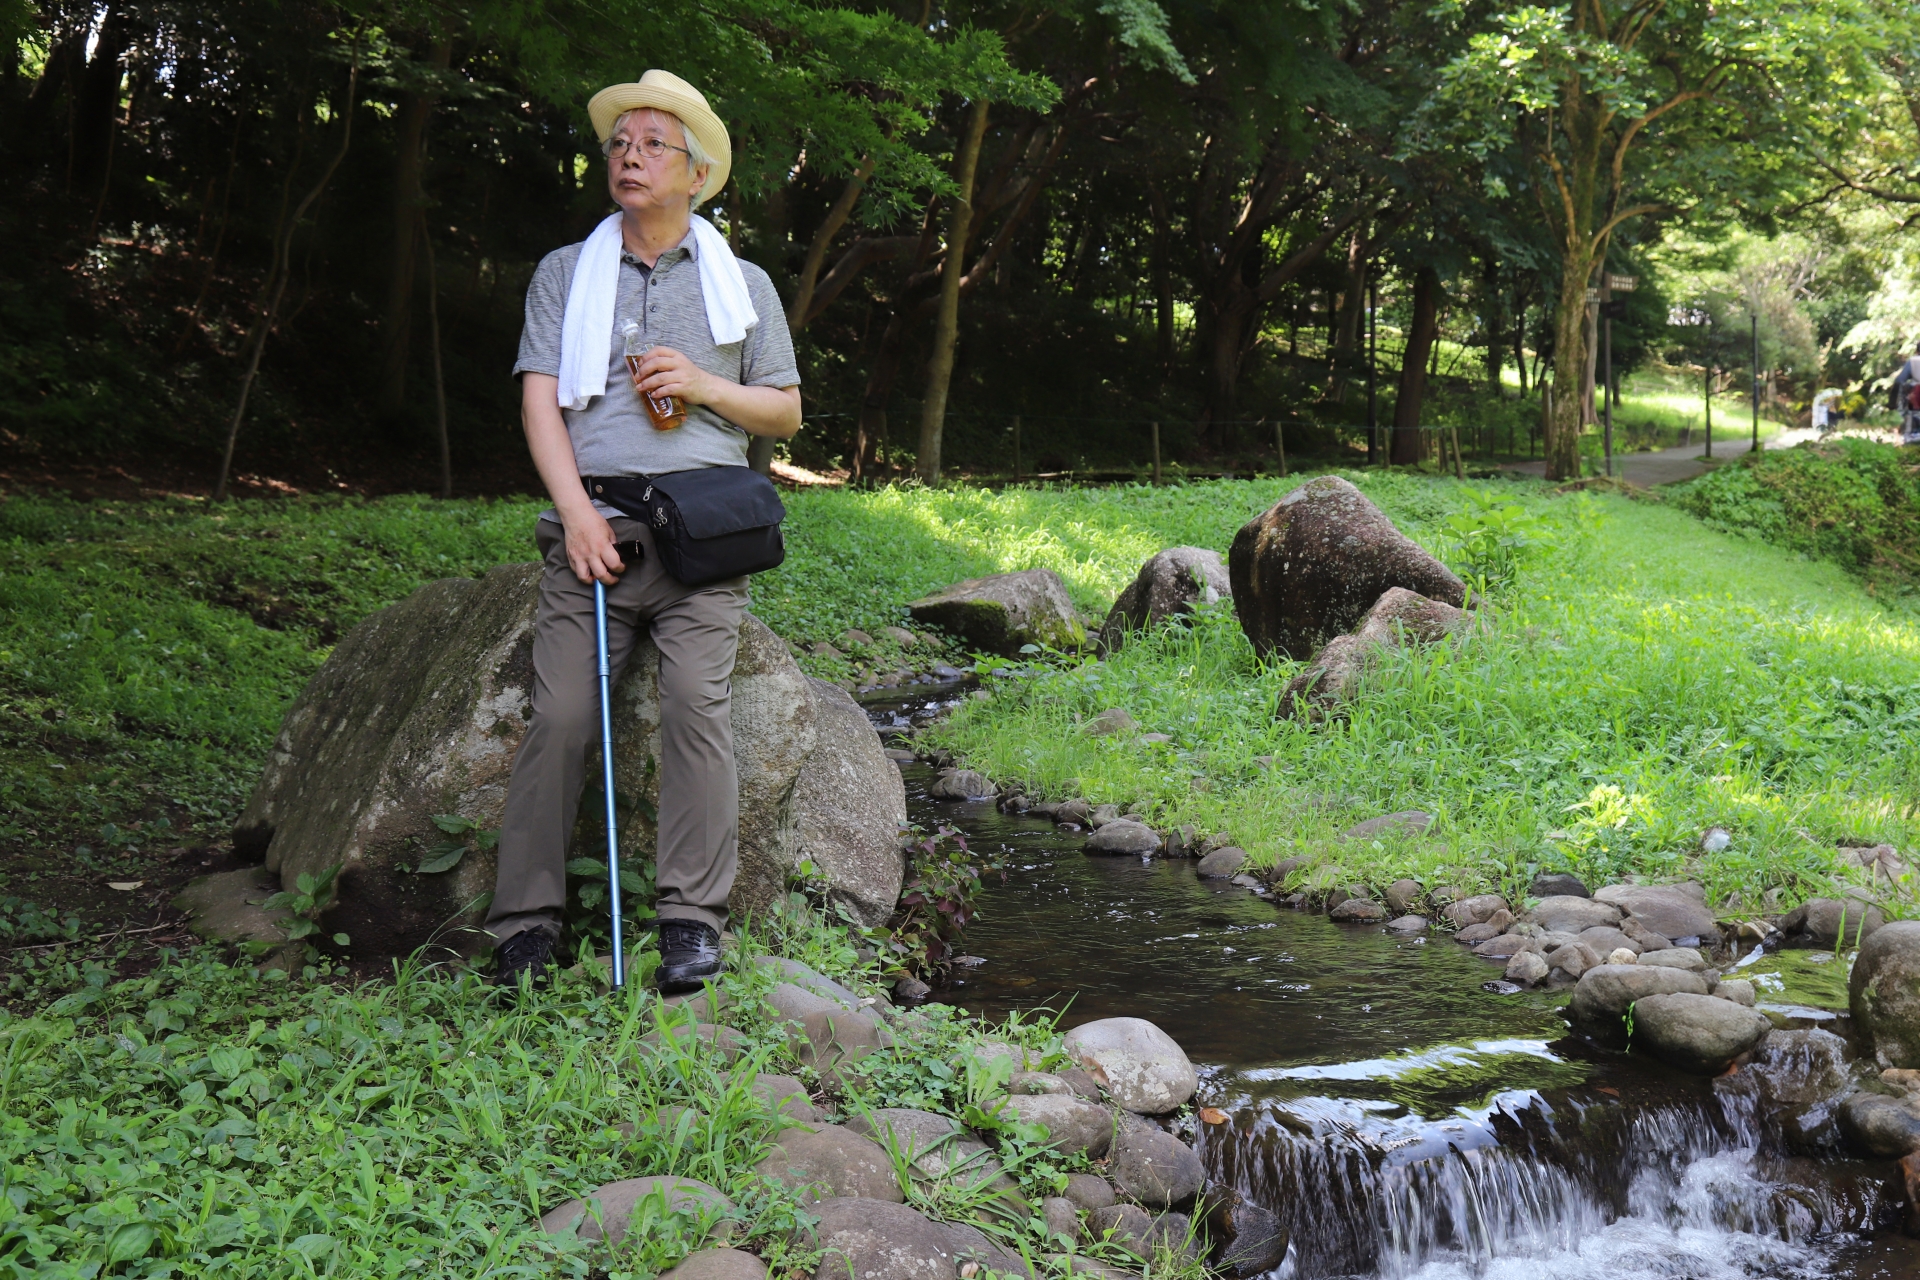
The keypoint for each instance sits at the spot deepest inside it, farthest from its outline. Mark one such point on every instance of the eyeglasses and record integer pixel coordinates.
(651, 148)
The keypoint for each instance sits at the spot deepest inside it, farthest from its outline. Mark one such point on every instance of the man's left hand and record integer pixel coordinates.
(666, 372)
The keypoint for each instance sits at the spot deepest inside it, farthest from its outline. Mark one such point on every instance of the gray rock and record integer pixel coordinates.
(1738, 990)
(880, 1240)
(1402, 895)
(1255, 1242)
(1109, 722)
(1332, 676)
(1559, 885)
(227, 906)
(697, 1037)
(1154, 1167)
(1074, 811)
(1126, 1226)
(1073, 1125)
(1644, 939)
(828, 1040)
(1308, 568)
(811, 981)
(1222, 864)
(900, 636)
(793, 1004)
(1474, 934)
(1881, 1126)
(1135, 1061)
(1102, 814)
(911, 988)
(1572, 958)
(1168, 585)
(1675, 957)
(961, 784)
(1063, 1219)
(1526, 968)
(1002, 611)
(604, 1212)
(718, 1264)
(1409, 924)
(1036, 1082)
(849, 805)
(1600, 1000)
(1358, 911)
(1407, 822)
(786, 1096)
(1475, 910)
(1070, 1265)
(1569, 914)
(419, 710)
(1604, 942)
(1696, 1032)
(1796, 1068)
(830, 1161)
(1124, 836)
(1824, 921)
(1884, 993)
(1670, 910)
(1089, 1190)
(1504, 946)
(935, 1147)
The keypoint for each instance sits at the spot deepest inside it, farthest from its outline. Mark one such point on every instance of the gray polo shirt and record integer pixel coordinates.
(613, 436)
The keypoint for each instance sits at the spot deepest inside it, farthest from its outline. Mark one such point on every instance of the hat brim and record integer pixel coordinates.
(614, 101)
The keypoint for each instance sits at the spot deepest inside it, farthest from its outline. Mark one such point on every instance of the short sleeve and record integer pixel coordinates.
(546, 312)
(766, 358)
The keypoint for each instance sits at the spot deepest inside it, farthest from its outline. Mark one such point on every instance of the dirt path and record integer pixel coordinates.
(1670, 466)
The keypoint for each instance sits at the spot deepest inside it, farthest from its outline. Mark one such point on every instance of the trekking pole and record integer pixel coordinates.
(606, 781)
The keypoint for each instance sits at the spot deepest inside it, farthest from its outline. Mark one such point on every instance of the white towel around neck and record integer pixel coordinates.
(586, 332)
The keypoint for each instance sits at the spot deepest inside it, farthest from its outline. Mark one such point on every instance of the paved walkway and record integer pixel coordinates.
(1670, 466)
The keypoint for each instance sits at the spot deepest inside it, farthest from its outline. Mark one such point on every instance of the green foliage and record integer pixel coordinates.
(1493, 537)
(310, 896)
(467, 835)
(937, 901)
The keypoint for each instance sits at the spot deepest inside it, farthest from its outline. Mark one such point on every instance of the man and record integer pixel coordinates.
(585, 416)
(1904, 398)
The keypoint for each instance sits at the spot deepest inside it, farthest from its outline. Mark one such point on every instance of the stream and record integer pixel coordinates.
(1403, 1121)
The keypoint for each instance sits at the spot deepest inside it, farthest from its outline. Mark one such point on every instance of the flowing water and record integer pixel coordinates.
(1402, 1120)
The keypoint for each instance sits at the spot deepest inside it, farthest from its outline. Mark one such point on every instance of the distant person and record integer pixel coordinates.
(1906, 397)
(1823, 402)
(712, 367)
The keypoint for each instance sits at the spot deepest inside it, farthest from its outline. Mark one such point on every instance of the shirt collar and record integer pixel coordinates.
(689, 246)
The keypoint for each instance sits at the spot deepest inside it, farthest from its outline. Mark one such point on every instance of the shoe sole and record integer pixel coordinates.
(685, 983)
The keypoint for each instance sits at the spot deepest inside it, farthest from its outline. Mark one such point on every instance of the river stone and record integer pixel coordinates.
(1644, 939)
(1002, 611)
(1600, 1000)
(1034, 1082)
(1063, 1219)
(1402, 895)
(718, 1264)
(1255, 1242)
(1073, 1126)
(1738, 990)
(1089, 1191)
(786, 1096)
(1126, 1225)
(935, 1146)
(1884, 993)
(1168, 585)
(849, 805)
(1526, 968)
(1881, 1126)
(1102, 814)
(1135, 1061)
(1795, 1068)
(1409, 924)
(418, 712)
(1154, 1167)
(1570, 914)
(1823, 920)
(1475, 910)
(227, 906)
(1332, 676)
(1476, 933)
(695, 1037)
(1507, 944)
(1670, 910)
(832, 1161)
(1069, 1265)
(1358, 911)
(1675, 957)
(1604, 942)
(1221, 864)
(1109, 722)
(793, 1004)
(1407, 822)
(1696, 1032)
(1558, 884)
(616, 1200)
(1572, 958)
(961, 784)
(832, 1038)
(1124, 836)
(864, 1239)
(810, 981)
(1310, 566)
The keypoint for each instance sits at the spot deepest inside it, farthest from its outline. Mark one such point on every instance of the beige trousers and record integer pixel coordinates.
(697, 630)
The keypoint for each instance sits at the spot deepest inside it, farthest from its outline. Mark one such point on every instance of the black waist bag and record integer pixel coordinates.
(708, 524)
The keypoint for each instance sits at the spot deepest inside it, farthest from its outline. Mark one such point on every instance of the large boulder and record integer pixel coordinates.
(1308, 568)
(1072, 1126)
(1880, 1125)
(1138, 1063)
(1564, 913)
(1600, 1002)
(1168, 585)
(828, 1161)
(1696, 1033)
(849, 806)
(418, 713)
(1002, 611)
(604, 1212)
(1332, 676)
(1154, 1167)
(1826, 921)
(884, 1240)
(1673, 911)
(1884, 993)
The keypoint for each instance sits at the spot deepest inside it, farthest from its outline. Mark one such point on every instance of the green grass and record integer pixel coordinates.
(1642, 680)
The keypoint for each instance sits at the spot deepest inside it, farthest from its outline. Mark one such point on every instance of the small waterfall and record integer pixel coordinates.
(1680, 1190)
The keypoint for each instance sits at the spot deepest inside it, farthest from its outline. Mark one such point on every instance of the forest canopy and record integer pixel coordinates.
(1187, 223)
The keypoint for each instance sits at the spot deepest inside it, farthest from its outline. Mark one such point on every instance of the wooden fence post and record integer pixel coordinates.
(1156, 453)
(1016, 448)
(1280, 447)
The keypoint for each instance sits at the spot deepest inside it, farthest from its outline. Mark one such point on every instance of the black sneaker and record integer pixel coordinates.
(529, 955)
(689, 956)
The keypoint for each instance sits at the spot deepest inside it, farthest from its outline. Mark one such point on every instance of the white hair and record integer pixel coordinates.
(697, 157)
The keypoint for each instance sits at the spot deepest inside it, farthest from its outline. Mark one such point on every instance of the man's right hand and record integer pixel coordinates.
(590, 547)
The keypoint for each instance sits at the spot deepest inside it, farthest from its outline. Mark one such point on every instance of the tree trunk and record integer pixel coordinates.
(1413, 368)
(396, 325)
(946, 327)
(1162, 277)
(1491, 278)
(1569, 371)
(96, 104)
(1353, 307)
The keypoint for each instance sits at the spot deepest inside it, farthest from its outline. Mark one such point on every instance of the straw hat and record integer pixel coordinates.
(668, 92)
